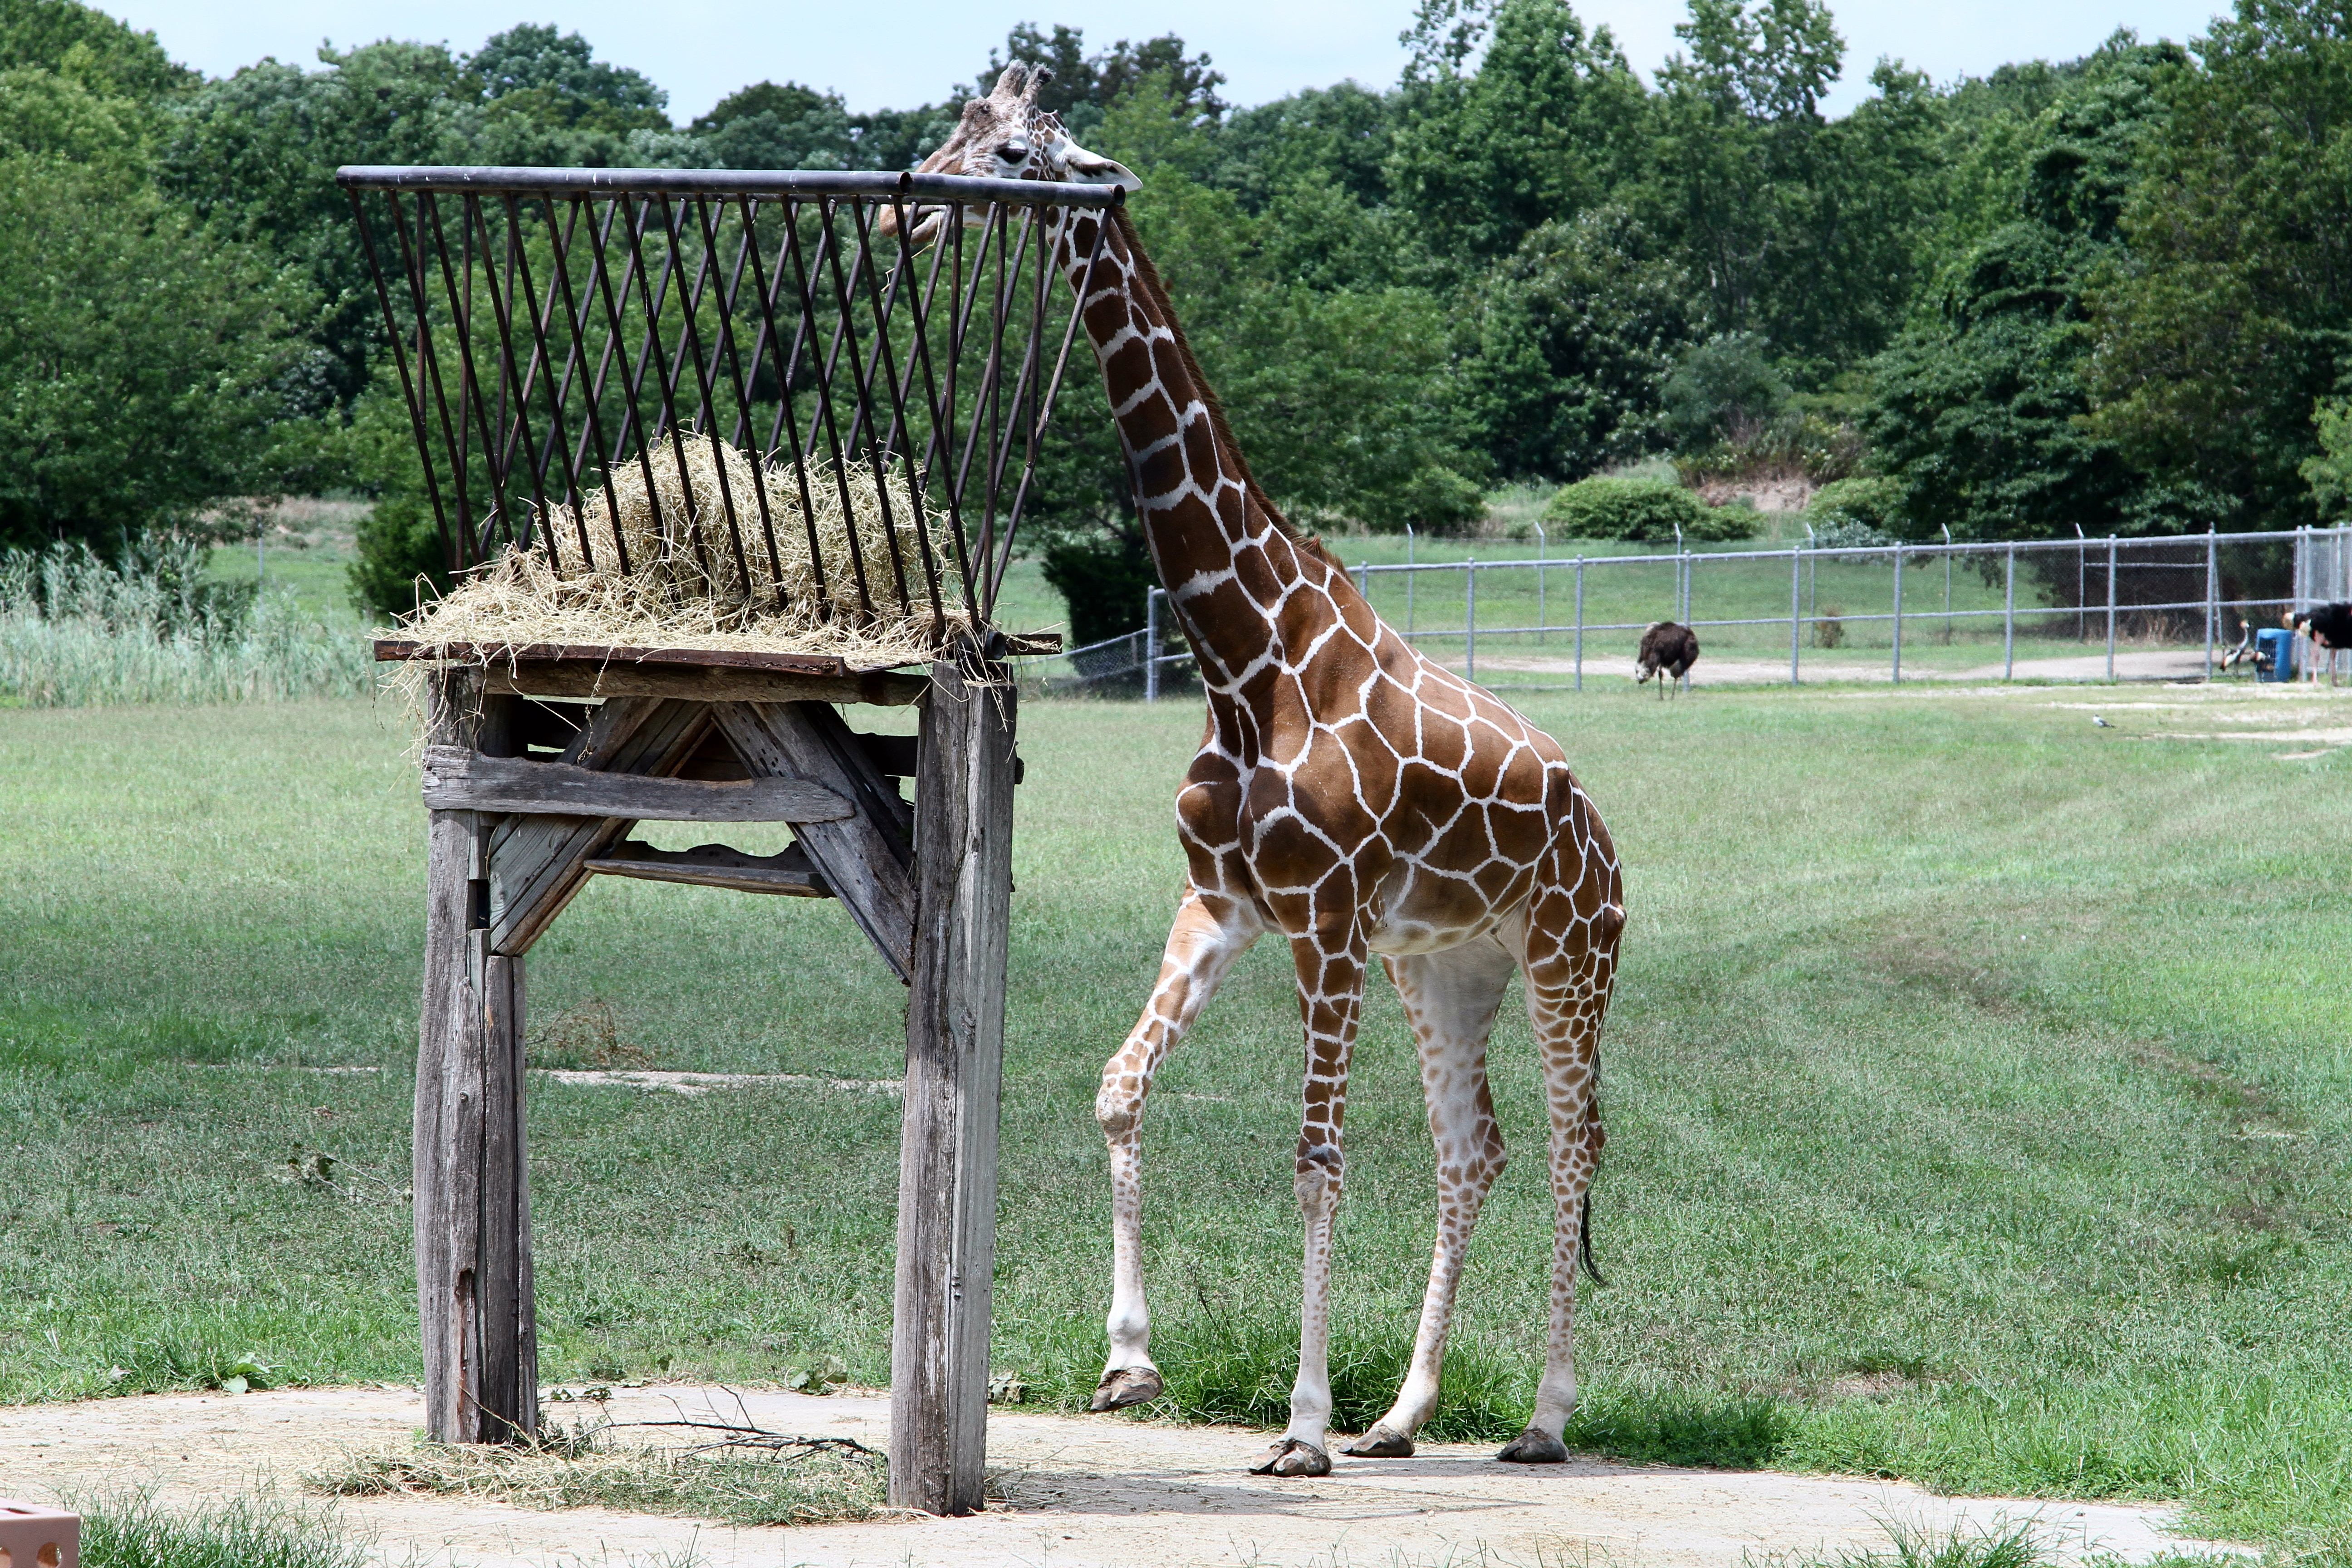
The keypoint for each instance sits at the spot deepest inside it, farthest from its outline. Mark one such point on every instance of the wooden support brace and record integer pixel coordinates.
(955, 1051)
(472, 1193)
(458, 778)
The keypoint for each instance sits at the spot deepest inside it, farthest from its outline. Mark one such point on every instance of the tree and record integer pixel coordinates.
(1541, 131)
(766, 126)
(2228, 320)
(141, 356)
(109, 57)
(1981, 409)
(1572, 340)
(1085, 86)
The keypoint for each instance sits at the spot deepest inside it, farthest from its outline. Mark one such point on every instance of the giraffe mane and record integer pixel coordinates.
(1149, 276)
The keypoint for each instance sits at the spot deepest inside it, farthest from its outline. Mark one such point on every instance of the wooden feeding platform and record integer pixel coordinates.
(557, 330)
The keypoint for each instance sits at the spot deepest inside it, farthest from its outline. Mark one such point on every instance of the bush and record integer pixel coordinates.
(1874, 504)
(1645, 511)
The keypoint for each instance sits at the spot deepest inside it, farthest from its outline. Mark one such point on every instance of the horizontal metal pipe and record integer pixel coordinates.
(726, 181)
(1910, 552)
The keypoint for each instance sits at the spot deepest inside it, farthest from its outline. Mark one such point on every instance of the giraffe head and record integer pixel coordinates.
(1006, 136)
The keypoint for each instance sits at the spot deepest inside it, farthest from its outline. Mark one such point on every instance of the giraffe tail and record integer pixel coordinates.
(1584, 1238)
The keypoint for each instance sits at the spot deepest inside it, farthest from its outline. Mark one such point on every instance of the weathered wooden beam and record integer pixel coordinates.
(471, 1182)
(565, 678)
(955, 1055)
(863, 858)
(535, 861)
(716, 866)
(458, 778)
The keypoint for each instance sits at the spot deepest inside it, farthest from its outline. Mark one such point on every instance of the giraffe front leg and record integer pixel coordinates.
(1450, 999)
(1208, 935)
(1330, 999)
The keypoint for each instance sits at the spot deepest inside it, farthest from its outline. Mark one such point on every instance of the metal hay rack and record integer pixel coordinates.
(556, 326)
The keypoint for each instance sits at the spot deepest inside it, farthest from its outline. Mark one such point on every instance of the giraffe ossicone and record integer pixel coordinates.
(1354, 798)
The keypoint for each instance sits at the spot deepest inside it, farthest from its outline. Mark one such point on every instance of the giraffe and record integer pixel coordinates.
(1351, 796)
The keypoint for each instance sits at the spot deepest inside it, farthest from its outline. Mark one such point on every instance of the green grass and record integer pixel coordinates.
(1976, 1084)
(132, 1531)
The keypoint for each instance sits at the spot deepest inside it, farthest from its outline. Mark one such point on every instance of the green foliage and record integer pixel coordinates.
(1574, 338)
(765, 126)
(142, 355)
(1646, 511)
(1723, 388)
(1538, 132)
(2229, 322)
(1872, 503)
(1981, 409)
(132, 1530)
(1103, 575)
(87, 46)
(2329, 474)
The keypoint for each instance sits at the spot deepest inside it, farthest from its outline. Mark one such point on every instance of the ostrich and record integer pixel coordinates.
(2328, 627)
(1667, 649)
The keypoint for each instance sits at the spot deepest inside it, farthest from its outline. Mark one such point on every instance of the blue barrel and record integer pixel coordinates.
(2279, 643)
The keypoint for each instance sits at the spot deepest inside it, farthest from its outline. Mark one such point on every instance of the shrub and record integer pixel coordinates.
(1644, 511)
(1873, 503)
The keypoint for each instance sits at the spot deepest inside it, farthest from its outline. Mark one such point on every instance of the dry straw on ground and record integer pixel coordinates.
(687, 586)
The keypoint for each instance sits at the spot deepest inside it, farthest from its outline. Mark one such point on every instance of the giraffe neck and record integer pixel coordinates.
(1225, 554)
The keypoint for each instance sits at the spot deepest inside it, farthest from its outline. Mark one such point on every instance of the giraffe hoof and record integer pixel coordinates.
(1381, 1443)
(1127, 1385)
(1292, 1458)
(1533, 1448)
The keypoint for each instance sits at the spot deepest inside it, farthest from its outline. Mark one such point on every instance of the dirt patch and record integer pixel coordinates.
(1077, 1491)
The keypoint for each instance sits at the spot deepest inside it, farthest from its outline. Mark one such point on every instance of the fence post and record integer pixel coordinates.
(1152, 643)
(1580, 623)
(1898, 615)
(1543, 548)
(2082, 586)
(1796, 603)
(1470, 617)
(2111, 609)
(2009, 619)
(1947, 583)
(2212, 598)
(1409, 575)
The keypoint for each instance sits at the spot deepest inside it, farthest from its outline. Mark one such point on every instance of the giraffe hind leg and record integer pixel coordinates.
(1450, 1000)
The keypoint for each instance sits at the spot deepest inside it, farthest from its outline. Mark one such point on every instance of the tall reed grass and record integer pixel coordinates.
(79, 631)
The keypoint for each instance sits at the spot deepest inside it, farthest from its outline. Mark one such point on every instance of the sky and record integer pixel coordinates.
(895, 53)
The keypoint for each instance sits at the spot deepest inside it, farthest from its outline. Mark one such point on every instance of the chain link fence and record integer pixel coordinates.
(2087, 609)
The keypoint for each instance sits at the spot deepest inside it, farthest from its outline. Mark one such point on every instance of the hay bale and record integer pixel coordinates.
(685, 587)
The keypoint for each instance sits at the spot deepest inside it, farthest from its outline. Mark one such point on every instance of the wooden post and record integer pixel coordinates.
(472, 1194)
(955, 1051)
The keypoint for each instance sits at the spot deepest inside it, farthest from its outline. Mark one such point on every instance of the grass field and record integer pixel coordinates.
(1976, 1088)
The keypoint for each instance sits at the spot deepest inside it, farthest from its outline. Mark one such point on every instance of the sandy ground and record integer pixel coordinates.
(1077, 1491)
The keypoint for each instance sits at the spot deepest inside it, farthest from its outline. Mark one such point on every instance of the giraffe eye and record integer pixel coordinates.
(1014, 151)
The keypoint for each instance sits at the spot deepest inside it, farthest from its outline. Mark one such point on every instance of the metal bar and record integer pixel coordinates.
(2212, 597)
(559, 443)
(690, 346)
(408, 391)
(1898, 616)
(1152, 643)
(860, 378)
(825, 410)
(829, 183)
(631, 376)
(662, 382)
(469, 381)
(942, 414)
(1580, 622)
(1470, 618)
(2009, 618)
(774, 343)
(743, 395)
(1856, 551)
(1796, 603)
(2111, 610)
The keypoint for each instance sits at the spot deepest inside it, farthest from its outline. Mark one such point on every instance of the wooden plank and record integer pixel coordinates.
(788, 873)
(470, 1181)
(535, 862)
(955, 1056)
(458, 778)
(863, 858)
(553, 678)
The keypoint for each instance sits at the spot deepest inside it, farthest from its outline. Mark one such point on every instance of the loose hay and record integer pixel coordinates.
(686, 585)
